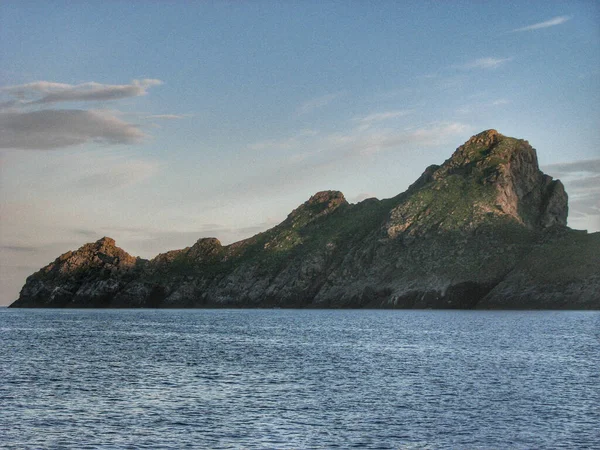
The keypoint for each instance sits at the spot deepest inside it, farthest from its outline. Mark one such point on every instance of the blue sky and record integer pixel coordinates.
(160, 122)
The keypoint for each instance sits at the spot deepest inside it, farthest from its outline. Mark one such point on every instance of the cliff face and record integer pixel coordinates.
(486, 229)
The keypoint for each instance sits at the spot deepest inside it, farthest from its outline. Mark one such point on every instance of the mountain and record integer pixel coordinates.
(486, 229)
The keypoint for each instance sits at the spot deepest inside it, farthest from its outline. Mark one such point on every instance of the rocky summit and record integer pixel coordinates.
(486, 229)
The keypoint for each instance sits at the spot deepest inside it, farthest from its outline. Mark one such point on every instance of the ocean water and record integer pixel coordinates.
(299, 379)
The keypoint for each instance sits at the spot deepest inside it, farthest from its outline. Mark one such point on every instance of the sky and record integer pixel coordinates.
(160, 122)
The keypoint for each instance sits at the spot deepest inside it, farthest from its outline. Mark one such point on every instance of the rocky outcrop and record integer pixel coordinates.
(501, 177)
(88, 277)
(486, 229)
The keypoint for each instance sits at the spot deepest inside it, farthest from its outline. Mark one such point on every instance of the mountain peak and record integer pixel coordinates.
(205, 248)
(486, 138)
(106, 242)
(320, 204)
(332, 198)
(491, 176)
(486, 148)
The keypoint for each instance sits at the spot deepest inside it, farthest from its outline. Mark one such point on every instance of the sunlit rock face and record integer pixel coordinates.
(485, 229)
(490, 176)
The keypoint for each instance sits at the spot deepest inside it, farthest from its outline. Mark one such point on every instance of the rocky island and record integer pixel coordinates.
(486, 229)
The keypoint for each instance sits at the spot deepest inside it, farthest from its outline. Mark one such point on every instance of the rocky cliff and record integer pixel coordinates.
(486, 229)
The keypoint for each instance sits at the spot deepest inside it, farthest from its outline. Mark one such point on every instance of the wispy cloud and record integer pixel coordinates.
(485, 63)
(51, 129)
(479, 106)
(43, 92)
(317, 102)
(378, 117)
(574, 168)
(23, 125)
(118, 174)
(582, 183)
(19, 248)
(548, 23)
(168, 116)
(364, 135)
(317, 156)
(361, 141)
(379, 140)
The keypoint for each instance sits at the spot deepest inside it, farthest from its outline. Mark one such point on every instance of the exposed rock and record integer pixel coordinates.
(89, 277)
(486, 229)
(320, 204)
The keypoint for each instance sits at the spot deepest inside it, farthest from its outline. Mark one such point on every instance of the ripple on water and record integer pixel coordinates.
(298, 379)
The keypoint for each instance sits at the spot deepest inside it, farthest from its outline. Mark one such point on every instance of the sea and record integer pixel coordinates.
(299, 379)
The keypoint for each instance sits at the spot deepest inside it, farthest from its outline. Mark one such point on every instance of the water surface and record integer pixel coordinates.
(299, 379)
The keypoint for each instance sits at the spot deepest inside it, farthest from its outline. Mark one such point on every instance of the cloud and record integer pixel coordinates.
(485, 63)
(19, 248)
(56, 128)
(366, 142)
(575, 167)
(9, 104)
(373, 118)
(381, 116)
(44, 92)
(363, 137)
(588, 182)
(548, 23)
(474, 108)
(119, 174)
(331, 152)
(168, 116)
(27, 121)
(316, 103)
(582, 183)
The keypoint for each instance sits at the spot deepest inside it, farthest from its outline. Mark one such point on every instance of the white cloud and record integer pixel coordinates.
(317, 102)
(485, 63)
(373, 118)
(474, 108)
(44, 92)
(363, 137)
(168, 116)
(51, 129)
(361, 141)
(548, 23)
